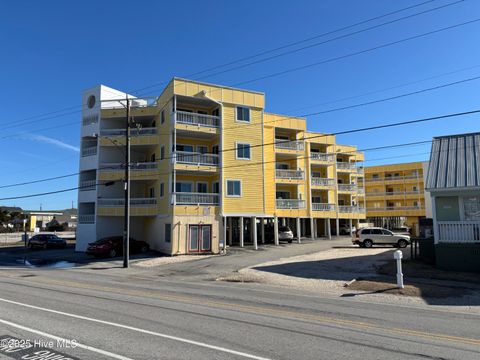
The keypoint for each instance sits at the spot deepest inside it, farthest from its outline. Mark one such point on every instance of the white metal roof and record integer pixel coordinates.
(454, 162)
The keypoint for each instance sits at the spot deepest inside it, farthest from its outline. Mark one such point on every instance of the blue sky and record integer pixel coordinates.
(52, 50)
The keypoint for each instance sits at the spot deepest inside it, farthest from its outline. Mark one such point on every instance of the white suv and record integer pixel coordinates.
(367, 237)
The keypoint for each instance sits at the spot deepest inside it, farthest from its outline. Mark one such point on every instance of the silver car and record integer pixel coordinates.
(367, 237)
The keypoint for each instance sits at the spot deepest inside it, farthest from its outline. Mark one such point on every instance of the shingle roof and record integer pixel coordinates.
(454, 162)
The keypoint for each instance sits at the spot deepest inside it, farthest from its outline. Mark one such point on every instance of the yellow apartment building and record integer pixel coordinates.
(395, 195)
(209, 169)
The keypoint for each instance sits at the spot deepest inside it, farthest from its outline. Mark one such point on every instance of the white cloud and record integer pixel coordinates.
(52, 141)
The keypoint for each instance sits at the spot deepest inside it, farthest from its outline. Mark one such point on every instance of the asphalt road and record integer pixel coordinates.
(102, 313)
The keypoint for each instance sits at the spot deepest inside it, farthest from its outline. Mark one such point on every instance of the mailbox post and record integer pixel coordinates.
(397, 255)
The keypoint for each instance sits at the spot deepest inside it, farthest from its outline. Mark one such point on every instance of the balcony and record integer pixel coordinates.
(395, 178)
(187, 198)
(458, 231)
(317, 181)
(86, 219)
(290, 204)
(289, 174)
(346, 166)
(146, 106)
(139, 166)
(347, 187)
(133, 132)
(322, 157)
(134, 202)
(185, 157)
(351, 209)
(200, 120)
(88, 185)
(296, 145)
(89, 151)
(396, 208)
(139, 171)
(393, 193)
(323, 207)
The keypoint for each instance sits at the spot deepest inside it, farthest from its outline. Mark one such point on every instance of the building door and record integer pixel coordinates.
(200, 238)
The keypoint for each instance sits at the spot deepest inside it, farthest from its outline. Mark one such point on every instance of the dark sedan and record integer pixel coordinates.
(45, 241)
(113, 246)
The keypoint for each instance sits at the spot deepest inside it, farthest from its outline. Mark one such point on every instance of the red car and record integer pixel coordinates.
(113, 246)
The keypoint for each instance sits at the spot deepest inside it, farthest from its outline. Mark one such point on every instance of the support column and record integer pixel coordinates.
(230, 233)
(329, 230)
(284, 222)
(312, 229)
(304, 226)
(254, 232)
(299, 231)
(350, 223)
(262, 229)
(275, 230)
(224, 234)
(338, 227)
(241, 231)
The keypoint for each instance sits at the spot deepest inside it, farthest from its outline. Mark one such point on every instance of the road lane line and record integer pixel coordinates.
(132, 328)
(58, 338)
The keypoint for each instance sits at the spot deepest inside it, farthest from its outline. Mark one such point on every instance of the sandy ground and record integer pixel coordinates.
(165, 260)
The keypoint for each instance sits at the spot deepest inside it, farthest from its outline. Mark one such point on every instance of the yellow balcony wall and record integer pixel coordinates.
(134, 140)
(120, 211)
(134, 111)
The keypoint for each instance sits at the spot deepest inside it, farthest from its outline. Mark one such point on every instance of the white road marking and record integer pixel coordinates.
(86, 347)
(165, 336)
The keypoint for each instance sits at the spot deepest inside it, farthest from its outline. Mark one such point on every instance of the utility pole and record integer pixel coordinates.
(126, 225)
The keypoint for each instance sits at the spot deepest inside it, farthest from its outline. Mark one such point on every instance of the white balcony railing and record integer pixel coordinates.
(86, 219)
(188, 118)
(317, 181)
(185, 157)
(89, 151)
(134, 103)
(90, 119)
(349, 209)
(458, 231)
(139, 166)
(346, 166)
(396, 208)
(188, 198)
(134, 202)
(290, 204)
(133, 132)
(322, 157)
(323, 207)
(347, 187)
(393, 193)
(87, 185)
(395, 178)
(289, 174)
(297, 145)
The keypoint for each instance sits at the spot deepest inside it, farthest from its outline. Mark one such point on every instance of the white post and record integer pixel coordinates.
(230, 233)
(254, 232)
(329, 230)
(241, 231)
(262, 229)
(299, 231)
(224, 243)
(304, 226)
(284, 220)
(338, 227)
(350, 223)
(312, 229)
(397, 255)
(275, 230)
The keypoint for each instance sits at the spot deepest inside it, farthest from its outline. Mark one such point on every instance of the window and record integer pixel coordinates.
(186, 148)
(162, 152)
(471, 208)
(234, 188)
(386, 232)
(183, 187)
(163, 116)
(243, 151)
(151, 192)
(168, 233)
(243, 113)
(366, 232)
(202, 149)
(162, 189)
(216, 187)
(202, 187)
(414, 188)
(282, 194)
(376, 231)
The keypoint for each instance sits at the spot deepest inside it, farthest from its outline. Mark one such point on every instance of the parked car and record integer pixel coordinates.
(45, 241)
(113, 246)
(367, 237)
(346, 230)
(284, 233)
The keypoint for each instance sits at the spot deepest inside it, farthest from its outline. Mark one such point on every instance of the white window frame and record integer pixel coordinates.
(249, 114)
(236, 151)
(226, 188)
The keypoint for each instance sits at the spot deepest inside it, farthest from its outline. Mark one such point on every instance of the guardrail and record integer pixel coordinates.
(458, 231)
(322, 157)
(196, 198)
(185, 157)
(290, 204)
(89, 151)
(317, 181)
(296, 145)
(183, 117)
(289, 174)
(133, 132)
(350, 209)
(323, 207)
(137, 202)
(86, 219)
(395, 178)
(393, 193)
(140, 166)
(347, 187)
(396, 208)
(87, 185)
(346, 166)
